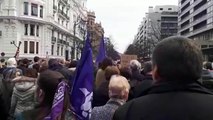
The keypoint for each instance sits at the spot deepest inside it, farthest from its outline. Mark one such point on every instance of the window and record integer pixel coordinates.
(32, 48)
(25, 8)
(161, 8)
(62, 50)
(34, 10)
(58, 50)
(32, 30)
(25, 47)
(26, 29)
(37, 44)
(41, 11)
(52, 49)
(37, 30)
(169, 8)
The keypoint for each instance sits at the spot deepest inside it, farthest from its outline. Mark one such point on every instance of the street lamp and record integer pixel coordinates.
(77, 45)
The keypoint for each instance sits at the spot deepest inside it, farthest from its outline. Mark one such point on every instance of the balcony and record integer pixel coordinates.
(63, 14)
(60, 41)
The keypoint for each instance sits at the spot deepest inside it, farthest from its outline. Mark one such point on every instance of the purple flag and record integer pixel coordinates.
(58, 102)
(102, 52)
(82, 90)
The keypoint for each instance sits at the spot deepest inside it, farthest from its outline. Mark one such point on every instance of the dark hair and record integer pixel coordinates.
(73, 63)
(48, 81)
(36, 59)
(36, 67)
(2, 60)
(126, 72)
(208, 66)
(111, 70)
(177, 58)
(105, 63)
(53, 64)
(147, 67)
(30, 72)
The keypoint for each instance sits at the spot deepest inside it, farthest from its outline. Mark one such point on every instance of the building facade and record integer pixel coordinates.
(96, 32)
(45, 28)
(195, 21)
(160, 22)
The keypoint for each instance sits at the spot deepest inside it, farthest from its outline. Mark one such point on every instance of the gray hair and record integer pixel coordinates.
(135, 65)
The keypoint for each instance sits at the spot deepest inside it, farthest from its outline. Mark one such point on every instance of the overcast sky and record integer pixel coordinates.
(121, 18)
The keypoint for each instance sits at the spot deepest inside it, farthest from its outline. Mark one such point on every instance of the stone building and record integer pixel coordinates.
(96, 32)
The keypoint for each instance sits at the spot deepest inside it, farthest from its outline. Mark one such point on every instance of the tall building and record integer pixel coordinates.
(160, 22)
(96, 32)
(44, 27)
(196, 21)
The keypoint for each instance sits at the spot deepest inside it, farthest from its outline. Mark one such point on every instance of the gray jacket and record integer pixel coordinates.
(107, 111)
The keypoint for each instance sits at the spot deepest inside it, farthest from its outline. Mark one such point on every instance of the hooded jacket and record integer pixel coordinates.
(23, 97)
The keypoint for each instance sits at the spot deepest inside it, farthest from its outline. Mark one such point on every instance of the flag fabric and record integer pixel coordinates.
(102, 52)
(58, 102)
(82, 89)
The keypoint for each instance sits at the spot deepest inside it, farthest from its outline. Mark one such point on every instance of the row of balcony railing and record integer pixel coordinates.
(63, 14)
(61, 41)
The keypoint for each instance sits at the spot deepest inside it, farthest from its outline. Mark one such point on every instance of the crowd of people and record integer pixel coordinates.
(172, 86)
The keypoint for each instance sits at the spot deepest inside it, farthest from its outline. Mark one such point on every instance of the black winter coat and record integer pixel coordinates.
(170, 101)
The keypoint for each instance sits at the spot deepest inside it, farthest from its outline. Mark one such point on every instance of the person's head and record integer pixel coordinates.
(54, 64)
(30, 72)
(176, 59)
(36, 67)
(147, 67)
(126, 72)
(105, 63)
(208, 65)
(25, 61)
(2, 60)
(36, 59)
(119, 87)
(46, 87)
(11, 62)
(110, 71)
(73, 64)
(135, 65)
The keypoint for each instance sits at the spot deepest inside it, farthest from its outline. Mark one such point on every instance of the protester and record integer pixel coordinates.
(126, 72)
(100, 76)
(137, 77)
(47, 85)
(9, 73)
(53, 64)
(118, 94)
(101, 96)
(143, 87)
(176, 93)
(23, 93)
(36, 60)
(23, 65)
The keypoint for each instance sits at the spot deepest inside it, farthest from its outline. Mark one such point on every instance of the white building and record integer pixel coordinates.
(159, 23)
(44, 27)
